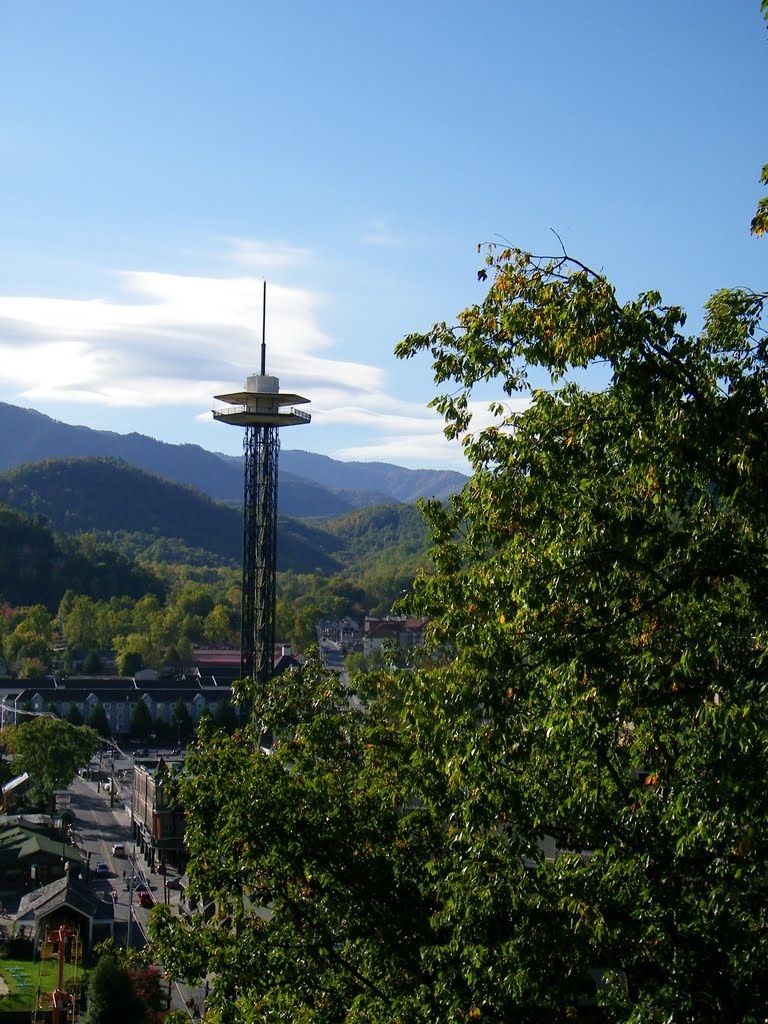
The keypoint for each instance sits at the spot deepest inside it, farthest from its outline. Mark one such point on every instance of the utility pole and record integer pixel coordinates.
(130, 897)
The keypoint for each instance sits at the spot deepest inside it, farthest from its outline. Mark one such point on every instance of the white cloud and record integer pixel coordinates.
(168, 342)
(168, 338)
(413, 452)
(263, 258)
(413, 436)
(378, 234)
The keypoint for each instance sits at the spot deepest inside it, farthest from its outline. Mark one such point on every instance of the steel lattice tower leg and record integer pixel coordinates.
(261, 446)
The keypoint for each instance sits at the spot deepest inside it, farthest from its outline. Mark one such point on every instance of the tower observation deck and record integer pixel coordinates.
(262, 409)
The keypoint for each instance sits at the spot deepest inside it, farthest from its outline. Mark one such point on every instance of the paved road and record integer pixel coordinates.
(97, 827)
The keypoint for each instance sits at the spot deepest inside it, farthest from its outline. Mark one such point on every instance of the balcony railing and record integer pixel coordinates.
(241, 410)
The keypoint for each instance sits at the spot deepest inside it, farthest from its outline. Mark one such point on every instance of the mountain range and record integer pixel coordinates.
(154, 518)
(309, 484)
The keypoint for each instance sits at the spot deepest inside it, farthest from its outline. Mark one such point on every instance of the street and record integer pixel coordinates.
(98, 826)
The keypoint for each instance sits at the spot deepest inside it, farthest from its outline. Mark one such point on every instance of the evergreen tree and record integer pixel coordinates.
(74, 715)
(181, 721)
(98, 720)
(141, 721)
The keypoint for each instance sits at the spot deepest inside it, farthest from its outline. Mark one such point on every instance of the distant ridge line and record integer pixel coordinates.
(310, 484)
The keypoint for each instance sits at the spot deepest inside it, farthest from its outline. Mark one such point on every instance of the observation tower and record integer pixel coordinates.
(262, 409)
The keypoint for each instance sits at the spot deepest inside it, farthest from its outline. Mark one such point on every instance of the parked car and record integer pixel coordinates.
(102, 871)
(173, 883)
(145, 899)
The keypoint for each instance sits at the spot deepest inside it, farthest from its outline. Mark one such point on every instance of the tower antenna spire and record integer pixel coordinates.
(264, 331)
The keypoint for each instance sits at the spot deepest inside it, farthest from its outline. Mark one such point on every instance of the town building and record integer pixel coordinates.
(65, 903)
(33, 852)
(158, 823)
(405, 632)
(201, 686)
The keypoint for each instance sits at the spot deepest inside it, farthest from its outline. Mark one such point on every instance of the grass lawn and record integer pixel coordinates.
(24, 977)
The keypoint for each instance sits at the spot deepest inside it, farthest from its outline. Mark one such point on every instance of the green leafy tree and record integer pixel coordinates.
(111, 995)
(600, 581)
(194, 599)
(130, 662)
(181, 721)
(99, 722)
(179, 654)
(326, 885)
(74, 715)
(31, 638)
(30, 668)
(357, 663)
(217, 626)
(148, 619)
(225, 716)
(79, 621)
(92, 663)
(139, 643)
(141, 720)
(576, 787)
(51, 750)
(297, 622)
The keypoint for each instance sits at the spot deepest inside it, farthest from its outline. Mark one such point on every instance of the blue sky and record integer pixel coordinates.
(159, 160)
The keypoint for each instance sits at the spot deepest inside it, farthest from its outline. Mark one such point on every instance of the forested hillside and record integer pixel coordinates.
(29, 436)
(107, 496)
(108, 531)
(104, 531)
(310, 485)
(153, 521)
(147, 599)
(388, 535)
(389, 483)
(37, 567)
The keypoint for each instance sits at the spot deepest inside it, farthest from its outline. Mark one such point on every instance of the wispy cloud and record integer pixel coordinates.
(378, 233)
(168, 338)
(266, 258)
(412, 436)
(167, 342)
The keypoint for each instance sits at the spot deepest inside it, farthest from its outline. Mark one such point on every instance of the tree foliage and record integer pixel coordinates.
(112, 997)
(51, 750)
(141, 720)
(38, 566)
(760, 220)
(300, 834)
(99, 722)
(602, 581)
(181, 721)
(572, 796)
(74, 715)
(28, 640)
